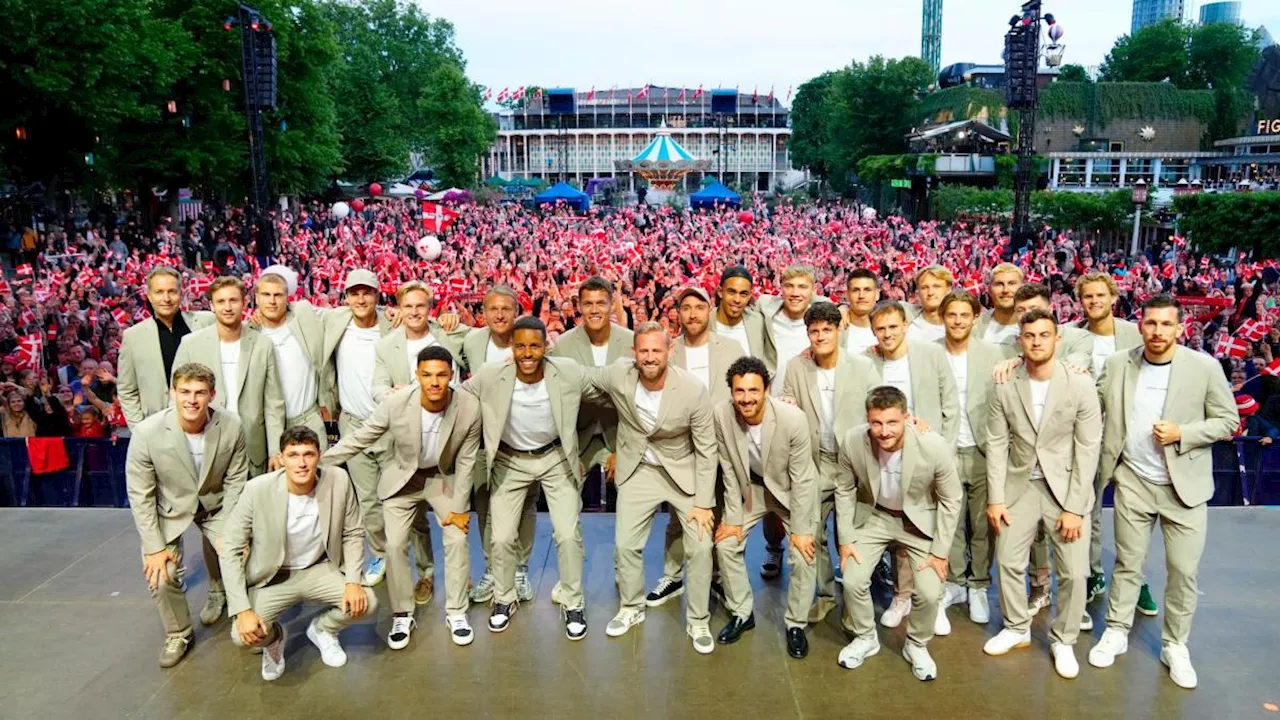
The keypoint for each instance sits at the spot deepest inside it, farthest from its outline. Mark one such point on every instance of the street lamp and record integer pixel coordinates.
(1139, 199)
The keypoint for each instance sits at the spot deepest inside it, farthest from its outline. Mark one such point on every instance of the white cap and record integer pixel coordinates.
(290, 277)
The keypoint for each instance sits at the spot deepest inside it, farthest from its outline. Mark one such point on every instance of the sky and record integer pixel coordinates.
(752, 44)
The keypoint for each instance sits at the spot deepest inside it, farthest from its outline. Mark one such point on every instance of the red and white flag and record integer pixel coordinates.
(644, 92)
(697, 93)
(769, 102)
(788, 93)
(30, 350)
(1273, 369)
(504, 94)
(518, 94)
(25, 270)
(591, 94)
(755, 96)
(1231, 347)
(122, 317)
(681, 98)
(437, 217)
(1252, 330)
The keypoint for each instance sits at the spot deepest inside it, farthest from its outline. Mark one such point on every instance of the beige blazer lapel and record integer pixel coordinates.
(811, 387)
(1131, 386)
(670, 388)
(446, 430)
(398, 364)
(872, 463)
(619, 344)
(1023, 383)
(212, 438)
(324, 501)
(768, 428)
(679, 357)
(847, 402)
(248, 338)
(278, 515)
(178, 441)
(1059, 392)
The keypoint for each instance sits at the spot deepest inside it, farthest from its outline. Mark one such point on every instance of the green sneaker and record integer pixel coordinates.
(1147, 604)
(1097, 584)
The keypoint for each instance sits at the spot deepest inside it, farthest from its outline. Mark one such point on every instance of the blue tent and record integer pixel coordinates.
(713, 193)
(566, 193)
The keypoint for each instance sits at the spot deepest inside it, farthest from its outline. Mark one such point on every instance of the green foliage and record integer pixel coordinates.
(961, 102)
(1220, 221)
(953, 202)
(1082, 212)
(872, 107)
(1072, 72)
(880, 169)
(1199, 57)
(1125, 100)
(1228, 110)
(810, 125)
(460, 131)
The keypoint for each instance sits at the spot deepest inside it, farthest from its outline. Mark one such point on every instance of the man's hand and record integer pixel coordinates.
(847, 552)
(393, 314)
(251, 628)
(273, 464)
(704, 519)
(806, 545)
(787, 399)
(1072, 367)
(1003, 372)
(154, 567)
(920, 424)
(256, 318)
(938, 564)
(354, 601)
(1069, 525)
(844, 316)
(726, 531)
(610, 467)
(996, 514)
(462, 521)
(1166, 433)
(448, 322)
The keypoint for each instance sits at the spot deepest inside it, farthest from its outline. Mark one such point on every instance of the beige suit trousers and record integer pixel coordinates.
(1037, 512)
(399, 514)
(514, 480)
(673, 540)
(733, 566)
(638, 501)
(321, 584)
(828, 471)
(170, 596)
(1139, 506)
(971, 556)
(481, 502)
(881, 531)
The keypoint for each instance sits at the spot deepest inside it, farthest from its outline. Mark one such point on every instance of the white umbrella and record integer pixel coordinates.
(438, 196)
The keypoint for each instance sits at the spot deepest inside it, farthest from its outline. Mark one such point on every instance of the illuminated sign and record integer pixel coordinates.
(1268, 127)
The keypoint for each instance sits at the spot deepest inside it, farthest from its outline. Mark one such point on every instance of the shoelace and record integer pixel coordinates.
(174, 643)
(458, 623)
(401, 625)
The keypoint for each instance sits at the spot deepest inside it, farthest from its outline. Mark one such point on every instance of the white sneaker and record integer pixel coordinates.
(459, 629)
(524, 587)
(273, 658)
(1038, 600)
(702, 640)
(1064, 660)
(401, 628)
(953, 594)
(1114, 642)
(979, 606)
(1178, 658)
(922, 665)
(942, 625)
(626, 619)
(1006, 640)
(331, 651)
(1086, 622)
(898, 609)
(856, 652)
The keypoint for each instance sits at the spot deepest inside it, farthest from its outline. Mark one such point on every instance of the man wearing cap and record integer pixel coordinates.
(707, 356)
(297, 338)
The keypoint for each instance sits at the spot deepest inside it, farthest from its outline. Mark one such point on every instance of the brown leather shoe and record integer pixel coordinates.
(424, 590)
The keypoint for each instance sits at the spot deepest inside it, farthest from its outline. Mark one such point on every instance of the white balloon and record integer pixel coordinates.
(429, 248)
(341, 209)
(869, 214)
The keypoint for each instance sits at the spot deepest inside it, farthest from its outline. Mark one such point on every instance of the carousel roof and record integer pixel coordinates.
(663, 149)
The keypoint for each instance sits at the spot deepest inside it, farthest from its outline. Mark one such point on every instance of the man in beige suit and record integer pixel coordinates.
(244, 364)
(1043, 435)
(999, 325)
(530, 410)
(186, 465)
(295, 537)
(666, 453)
(435, 439)
(1165, 406)
(862, 294)
(971, 361)
(933, 283)
(764, 452)
(707, 357)
(148, 349)
(896, 486)
(1075, 346)
(296, 332)
(734, 318)
(830, 387)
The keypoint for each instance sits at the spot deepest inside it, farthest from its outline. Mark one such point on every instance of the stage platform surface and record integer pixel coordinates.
(79, 638)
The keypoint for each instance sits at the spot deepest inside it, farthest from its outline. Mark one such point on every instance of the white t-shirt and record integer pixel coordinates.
(530, 424)
(303, 544)
(791, 338)
(195, 443)
(647, 405)
(998, 334)
(495, 354)
(1142, 452)
(755, 449)
(860, 340)
(827, 407)
(697, 360)
(229, 393)
(411, 350)
(890, 495)
(297, 376)
(960, 371)
(429, 450)
(1104, 346)
(736, 332)
(599, 355)
(921, 330)
(1039, 393)
(897, 373)
(356, 358)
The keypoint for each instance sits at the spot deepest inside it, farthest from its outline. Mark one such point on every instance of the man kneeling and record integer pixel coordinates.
(302, 531)
(896, 486)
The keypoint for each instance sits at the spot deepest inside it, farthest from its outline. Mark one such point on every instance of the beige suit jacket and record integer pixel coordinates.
(1066, 442)
(576, 346)
(306, 323)
(165, 491)
(335, 323)
(855, 377)
(789, 471)
(683, 438)
(766, 306)
(400, 415)
(722, 354)
(258, 524)
(391, 361)
(140, 382)
(754, 324)
(1127, 334)
(933, 388)
(475, 347)
(984, 321)
(1075, 347)
(932, 497)
(980, 358)
(260, 404)
(1199, 402)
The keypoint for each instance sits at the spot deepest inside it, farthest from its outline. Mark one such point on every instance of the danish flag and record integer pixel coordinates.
(1252, 330)
(1232, 347)
(122, 317)
(644, 93)
(591, 94)
(1273, 369)
(25, 270)
(504, 94)
(697, 93)
(436, 217)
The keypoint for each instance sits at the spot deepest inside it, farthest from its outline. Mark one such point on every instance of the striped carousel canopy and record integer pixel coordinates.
(663, 149)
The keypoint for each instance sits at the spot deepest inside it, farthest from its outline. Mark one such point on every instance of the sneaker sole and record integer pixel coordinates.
(311, 636)
(499, 629)
(1111, 661)
(664, 599)
(1023, 644)
(1164, 661)
(1149, 613)
(698, 649)
(424, 600)
(926, 678)
(394, 646)
(574, 638)
(462, 642)
(842, 664)
(770, 574)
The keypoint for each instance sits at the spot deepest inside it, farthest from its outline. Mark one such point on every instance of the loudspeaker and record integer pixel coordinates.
(260, 70)
(724, 102)
(561, 101)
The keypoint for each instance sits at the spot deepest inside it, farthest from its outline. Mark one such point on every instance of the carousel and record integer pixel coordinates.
(663, 164)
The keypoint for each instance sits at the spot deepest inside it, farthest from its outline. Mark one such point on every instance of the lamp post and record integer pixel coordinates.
(1139, 199)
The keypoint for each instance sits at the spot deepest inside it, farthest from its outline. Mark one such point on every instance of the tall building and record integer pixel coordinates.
(1217, 12)
(1150, 12)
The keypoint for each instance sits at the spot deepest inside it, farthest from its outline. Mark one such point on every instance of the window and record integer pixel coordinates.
(1071, 172)
(1116, 146)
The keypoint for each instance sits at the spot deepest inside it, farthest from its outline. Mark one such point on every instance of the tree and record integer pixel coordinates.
(1220, 221)
(872, 107)
(1073, 73)
(460, 131)
(1154, 53)
(1221, 55)
(810, 129)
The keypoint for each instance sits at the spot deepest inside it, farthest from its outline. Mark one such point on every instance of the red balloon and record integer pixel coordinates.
(357, 205)
(745, 216)
(375, 189)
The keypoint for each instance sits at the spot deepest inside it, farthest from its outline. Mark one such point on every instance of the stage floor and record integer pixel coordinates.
(79, 637)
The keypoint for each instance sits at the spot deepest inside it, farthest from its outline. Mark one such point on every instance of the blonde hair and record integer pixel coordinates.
(800, 270)
(411, 286)
(1096, 277)
(1007, 268)
(194, 372)
(225, 281)
(939, 272)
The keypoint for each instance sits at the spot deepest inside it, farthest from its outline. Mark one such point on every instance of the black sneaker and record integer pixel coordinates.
(666, 589)
(575, 624)
(1097, 584)
(500, 618)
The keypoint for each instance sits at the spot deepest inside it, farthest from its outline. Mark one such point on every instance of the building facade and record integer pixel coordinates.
(1216, 12)
(1150, 12)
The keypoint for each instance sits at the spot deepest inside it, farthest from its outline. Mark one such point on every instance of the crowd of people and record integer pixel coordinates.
(78, 285)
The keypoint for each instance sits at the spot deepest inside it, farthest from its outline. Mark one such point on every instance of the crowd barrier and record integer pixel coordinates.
(1245, 472)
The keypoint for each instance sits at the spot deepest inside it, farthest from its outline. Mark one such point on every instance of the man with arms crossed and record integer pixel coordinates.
(186, 465)
(1165, 406)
